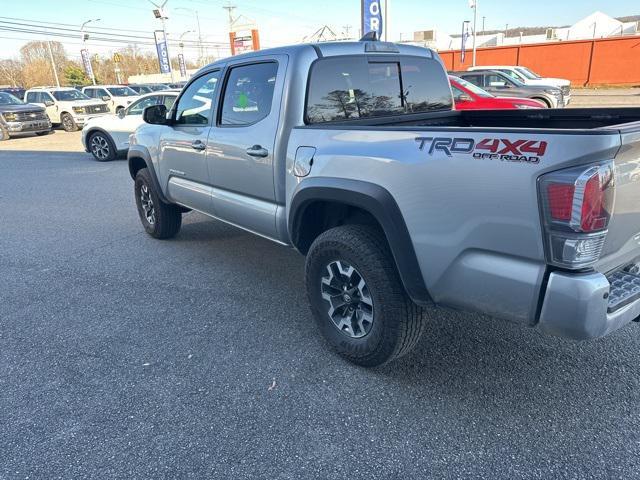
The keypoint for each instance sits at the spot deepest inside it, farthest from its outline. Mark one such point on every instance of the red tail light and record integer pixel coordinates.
(560, 197)
(577, 205)
(596, 205)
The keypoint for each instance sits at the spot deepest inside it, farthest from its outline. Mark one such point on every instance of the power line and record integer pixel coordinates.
(72, 33)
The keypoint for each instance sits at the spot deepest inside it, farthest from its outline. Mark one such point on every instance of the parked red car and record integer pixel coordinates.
(471, 97)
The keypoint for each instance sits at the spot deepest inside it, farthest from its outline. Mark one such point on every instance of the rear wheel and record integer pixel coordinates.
(101, 147)
(68, 123)
(357, 298)
(160, 220)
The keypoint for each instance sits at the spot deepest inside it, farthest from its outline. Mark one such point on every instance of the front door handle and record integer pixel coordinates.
(198, 145)
(257, 151)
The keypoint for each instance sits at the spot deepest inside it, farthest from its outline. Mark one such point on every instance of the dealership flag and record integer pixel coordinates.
(163, 52)
(183, 66)
(372, 17)
(465, 36)
(86, 62)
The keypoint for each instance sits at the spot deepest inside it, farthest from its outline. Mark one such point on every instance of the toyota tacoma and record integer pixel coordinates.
(351, 153)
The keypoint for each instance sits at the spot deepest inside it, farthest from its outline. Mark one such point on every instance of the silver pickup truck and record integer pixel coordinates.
(352, 154)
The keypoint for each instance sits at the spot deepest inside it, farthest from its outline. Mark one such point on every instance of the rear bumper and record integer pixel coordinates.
(577, 306)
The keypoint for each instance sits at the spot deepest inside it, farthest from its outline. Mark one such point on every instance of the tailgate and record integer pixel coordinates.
(622, 244)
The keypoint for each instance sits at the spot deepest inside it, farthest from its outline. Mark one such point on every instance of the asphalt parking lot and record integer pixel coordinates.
(126, 357)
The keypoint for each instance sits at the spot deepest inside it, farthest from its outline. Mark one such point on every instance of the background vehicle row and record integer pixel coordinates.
(502, 85)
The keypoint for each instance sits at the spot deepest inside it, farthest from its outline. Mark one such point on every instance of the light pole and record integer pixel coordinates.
(474, 5)
(158, 12)
(85, 37)
(181, 37)
(195, 12)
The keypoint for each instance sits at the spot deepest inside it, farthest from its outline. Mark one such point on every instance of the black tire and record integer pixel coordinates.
(68, 123)
(42, 134)
(166, 218)
(101, 146)
(4, 134)
(397, 323)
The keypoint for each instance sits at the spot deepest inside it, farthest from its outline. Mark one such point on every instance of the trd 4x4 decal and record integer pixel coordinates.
(529, 151)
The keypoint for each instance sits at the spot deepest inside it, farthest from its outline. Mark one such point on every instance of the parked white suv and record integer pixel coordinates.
(529, 77)
(66, 106)
(106, 137)
(117, 97)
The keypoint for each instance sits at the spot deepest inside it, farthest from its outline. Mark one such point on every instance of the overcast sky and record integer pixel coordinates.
(286, 21)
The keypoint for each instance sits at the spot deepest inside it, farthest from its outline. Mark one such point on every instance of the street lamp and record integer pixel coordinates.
(195, 12)
(159, 13)
(181, 37)
(85, 37)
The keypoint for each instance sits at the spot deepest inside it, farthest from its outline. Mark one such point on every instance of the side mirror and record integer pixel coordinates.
(106, 98)
(48, 103)
(155, 115)
(121, 113)
(463, 98)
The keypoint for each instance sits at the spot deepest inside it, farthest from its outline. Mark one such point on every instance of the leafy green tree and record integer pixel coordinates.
(74, 75)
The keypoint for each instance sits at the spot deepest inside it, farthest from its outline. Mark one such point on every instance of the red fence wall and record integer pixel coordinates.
(584, 62)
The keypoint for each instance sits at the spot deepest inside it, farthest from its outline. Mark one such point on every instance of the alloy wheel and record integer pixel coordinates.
(100, 147)
(147, 204)
(349, 302)
(67, 122)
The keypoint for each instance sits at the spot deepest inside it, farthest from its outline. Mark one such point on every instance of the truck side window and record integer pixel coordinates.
(194, 106)
(31, 97)
(249, 93)
(137, 107)
(346, 88)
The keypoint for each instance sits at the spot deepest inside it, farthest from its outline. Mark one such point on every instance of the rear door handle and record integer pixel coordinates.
(257, 151)
(198, 145)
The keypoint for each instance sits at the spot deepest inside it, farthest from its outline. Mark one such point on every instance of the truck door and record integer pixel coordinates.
(183, 145)
(242, 144)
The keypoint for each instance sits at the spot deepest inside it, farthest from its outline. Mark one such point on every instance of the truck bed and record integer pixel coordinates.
(548, 119)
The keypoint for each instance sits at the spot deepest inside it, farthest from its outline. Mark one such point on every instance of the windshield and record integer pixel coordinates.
(512, 80)
(472, 88)
(8, 99)
(158, 87)
(528, 73)
(122, 92)
(68, 95)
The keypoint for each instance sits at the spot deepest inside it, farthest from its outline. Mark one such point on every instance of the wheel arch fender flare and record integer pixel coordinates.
(139, 157)
(93, 130)
(379, 203)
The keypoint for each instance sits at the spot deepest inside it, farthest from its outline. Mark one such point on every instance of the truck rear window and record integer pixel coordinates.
(352, 87)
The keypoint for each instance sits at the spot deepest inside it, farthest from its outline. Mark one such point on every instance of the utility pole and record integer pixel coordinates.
(474, 4)
(230, 8)
(53, 63)
(85, 37)
(386, 17)
(346, 30)
(483, 19)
